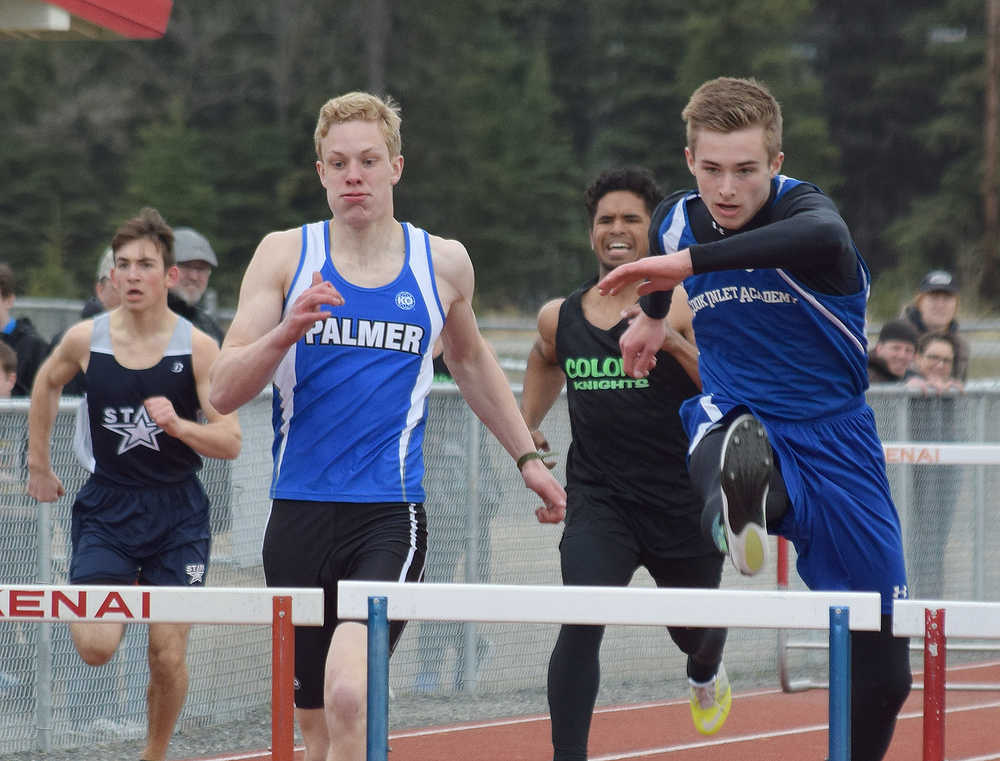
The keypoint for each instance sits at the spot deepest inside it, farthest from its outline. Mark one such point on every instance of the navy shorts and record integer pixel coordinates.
(156, 535)
(316, 544)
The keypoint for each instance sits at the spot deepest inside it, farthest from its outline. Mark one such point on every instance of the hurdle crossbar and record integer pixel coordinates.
(965, 619)
(144, 604)
(378, 602)
(542, 604)
(281, 608)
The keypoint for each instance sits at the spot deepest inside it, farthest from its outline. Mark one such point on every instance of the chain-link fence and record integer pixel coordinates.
(482, 528)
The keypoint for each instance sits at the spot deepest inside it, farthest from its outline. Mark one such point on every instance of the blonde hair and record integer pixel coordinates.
(361, 106)
(727, 104)
(8, 359)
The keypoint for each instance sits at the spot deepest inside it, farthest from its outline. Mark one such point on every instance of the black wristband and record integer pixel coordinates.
(656, 304)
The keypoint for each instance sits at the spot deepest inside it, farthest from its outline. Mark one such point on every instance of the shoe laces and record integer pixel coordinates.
(705, 694)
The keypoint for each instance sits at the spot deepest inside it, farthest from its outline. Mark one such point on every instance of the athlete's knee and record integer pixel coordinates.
(95, 655)
(344, 701)
(167, 664)
(881, 673)
(95, 643)
(888, 689)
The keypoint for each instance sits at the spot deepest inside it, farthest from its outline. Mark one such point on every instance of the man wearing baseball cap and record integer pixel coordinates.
(195, 261)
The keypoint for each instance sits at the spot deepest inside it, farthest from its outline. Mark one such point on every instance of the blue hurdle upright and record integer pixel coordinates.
(380, 602)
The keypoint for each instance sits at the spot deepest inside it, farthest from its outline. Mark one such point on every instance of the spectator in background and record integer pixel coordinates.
(17, 670)
(195, 260)
(20, 335)
(934, 309)
(889, 360)
(105, 298)
(935, 491)
(8, 370)
(933, 370)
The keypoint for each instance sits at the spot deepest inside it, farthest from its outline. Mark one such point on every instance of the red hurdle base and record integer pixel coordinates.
(934, 683)
(282, 681)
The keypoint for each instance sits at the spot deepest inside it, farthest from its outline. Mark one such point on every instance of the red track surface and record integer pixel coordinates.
(766, 725)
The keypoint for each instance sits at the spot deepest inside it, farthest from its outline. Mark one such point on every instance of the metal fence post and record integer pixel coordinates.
(43, 678)
(470, 634)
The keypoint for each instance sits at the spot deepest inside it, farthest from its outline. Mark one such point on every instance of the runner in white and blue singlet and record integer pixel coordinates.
(782, 437)
(342, 317)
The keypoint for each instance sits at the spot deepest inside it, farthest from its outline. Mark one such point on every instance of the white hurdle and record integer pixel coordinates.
(281, 608)
(552, 604)
(975, 620)
(379, 602)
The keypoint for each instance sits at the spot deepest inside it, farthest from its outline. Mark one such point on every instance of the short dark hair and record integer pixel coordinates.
(899, 330)
(147, 224)
(928, 338)
(638, 180)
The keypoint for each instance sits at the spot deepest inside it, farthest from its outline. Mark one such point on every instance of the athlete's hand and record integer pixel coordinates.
(311, 306)
(653, 273)
(673, 339)
(162, 412)
(542, 445)
(538, 478)
(640, 342)
(44, 485)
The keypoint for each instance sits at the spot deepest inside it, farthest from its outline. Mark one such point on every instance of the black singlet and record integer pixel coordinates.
(620, 424)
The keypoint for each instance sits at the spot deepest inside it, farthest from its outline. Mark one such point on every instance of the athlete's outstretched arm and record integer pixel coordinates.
(66, 360)
(259, 335)
(543, 378)
(479, 377)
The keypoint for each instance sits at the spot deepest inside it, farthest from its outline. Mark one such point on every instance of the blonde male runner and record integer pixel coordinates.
(342, 316)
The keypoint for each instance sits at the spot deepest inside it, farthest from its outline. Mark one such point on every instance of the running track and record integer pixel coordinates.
(766, 725)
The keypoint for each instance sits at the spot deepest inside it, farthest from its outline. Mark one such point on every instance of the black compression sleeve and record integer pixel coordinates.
(807, 236)
(656, 304)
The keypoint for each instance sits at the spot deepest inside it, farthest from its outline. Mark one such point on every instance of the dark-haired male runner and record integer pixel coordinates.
(629, 498)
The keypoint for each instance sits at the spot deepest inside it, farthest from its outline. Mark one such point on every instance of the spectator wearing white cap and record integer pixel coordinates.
(106, 297)
(195, 261)
(934, 309)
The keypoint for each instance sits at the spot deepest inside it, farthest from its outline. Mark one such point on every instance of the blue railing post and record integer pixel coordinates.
(378, 680)
(840, 684)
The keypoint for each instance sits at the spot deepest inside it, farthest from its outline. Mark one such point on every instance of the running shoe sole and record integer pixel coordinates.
(746, 470)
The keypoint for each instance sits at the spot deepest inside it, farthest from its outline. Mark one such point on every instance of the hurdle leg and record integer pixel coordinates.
(934, 684)
(377, 737)
(840, 684)
(282, 680)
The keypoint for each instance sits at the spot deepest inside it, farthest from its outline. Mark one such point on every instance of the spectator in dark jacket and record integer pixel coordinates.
(195, 260)
(20, 335)
(934, 309)
(105, 297)
(893, 353)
